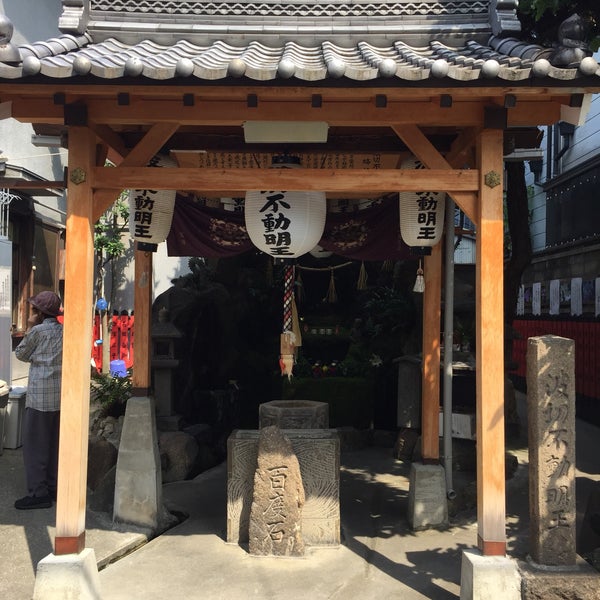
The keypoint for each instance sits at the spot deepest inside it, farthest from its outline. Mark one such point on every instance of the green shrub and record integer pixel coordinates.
(111, 393)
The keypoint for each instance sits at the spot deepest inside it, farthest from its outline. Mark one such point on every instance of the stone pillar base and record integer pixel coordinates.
(489, 577)
(427, 504)
(138, 479)
(73, 576)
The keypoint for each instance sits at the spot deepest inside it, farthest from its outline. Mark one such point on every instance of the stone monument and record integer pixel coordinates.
(318, 453)
(276, 513)
(551, 419)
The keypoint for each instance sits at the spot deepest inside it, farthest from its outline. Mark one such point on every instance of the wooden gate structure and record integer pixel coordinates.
(444, 80)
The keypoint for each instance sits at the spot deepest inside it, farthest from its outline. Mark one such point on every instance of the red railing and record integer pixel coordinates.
(121, 340)
(585, 334)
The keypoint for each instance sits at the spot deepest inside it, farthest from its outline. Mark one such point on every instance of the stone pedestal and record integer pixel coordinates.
(73, 576)
(138, 484)
(294, 414)
(489, 577)
(318, 453)
(427, 505)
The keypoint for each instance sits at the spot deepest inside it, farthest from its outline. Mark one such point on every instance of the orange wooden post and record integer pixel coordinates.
(78, 303)
(430, 399)
(142, 310)
(491, 506)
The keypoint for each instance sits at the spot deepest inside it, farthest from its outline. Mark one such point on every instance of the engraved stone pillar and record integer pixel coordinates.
(318, 453)
(551, 416)
(276, 513)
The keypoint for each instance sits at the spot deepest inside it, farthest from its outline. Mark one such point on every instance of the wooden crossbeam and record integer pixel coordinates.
(426, 152)
(231, 112)
(367, 180)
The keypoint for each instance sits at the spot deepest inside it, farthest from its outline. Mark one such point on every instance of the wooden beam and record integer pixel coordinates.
(367, 180)
(426, 152)
(17, 183)
(489, 270)
(139, 156)
(232, 111)
(202, 93)
(78, 302)
(430, 401)
(142, 304)
(111, 138)
(462, 152)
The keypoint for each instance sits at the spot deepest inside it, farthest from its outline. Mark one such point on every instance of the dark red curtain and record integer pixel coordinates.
(369, 234)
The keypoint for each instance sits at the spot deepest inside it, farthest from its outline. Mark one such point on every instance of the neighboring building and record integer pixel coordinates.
(36, 217)
(561, 288)
(33, 223)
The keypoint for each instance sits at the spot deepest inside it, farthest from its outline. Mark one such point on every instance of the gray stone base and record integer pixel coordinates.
(169, 423)
(489, 577)
(138, 481)
(73, 576)
(578, 582)
(294, 414)
(318, 453)
(427, 504)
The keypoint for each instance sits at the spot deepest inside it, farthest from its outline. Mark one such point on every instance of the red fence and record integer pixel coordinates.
(121, 340)
(585, 334)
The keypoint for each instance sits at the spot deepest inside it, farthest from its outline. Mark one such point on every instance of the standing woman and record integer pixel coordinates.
(42, 348)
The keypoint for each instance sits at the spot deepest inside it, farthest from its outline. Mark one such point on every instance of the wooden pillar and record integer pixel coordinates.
(142, 304)
(78, 304)
(491, 507)
(430, 409)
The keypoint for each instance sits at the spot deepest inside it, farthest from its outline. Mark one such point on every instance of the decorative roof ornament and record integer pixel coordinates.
(75, 16)
(503, 17)
(572, 42)
(9, 53)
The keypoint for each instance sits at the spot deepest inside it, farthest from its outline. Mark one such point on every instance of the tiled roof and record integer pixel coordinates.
(502, 59)
(426, 42)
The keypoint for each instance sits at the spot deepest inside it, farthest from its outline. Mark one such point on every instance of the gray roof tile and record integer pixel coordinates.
(507, 59)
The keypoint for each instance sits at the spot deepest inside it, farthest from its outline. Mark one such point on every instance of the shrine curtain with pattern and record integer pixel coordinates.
(371, 233)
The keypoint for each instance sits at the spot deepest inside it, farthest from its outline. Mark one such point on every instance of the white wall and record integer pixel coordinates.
(33, 20)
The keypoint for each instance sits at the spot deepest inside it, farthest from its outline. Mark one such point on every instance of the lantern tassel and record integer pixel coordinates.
(420, 281)
(361, 284)
(331, 293)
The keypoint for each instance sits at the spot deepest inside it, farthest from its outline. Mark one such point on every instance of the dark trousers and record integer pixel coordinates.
(40, 450)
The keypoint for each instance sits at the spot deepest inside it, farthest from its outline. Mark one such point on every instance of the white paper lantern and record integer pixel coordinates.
(151, 211)
(421, 214)
(285, 224)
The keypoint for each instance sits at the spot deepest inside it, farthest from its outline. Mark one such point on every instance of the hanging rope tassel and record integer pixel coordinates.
(300, 293)
(287, 350)
(331, 293)
(420, 281)
(361, 284)
(288, 337)
(288, 295)
(388, 265)
(296, 325)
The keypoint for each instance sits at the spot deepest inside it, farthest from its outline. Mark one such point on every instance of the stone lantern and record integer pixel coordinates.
(164, 334)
